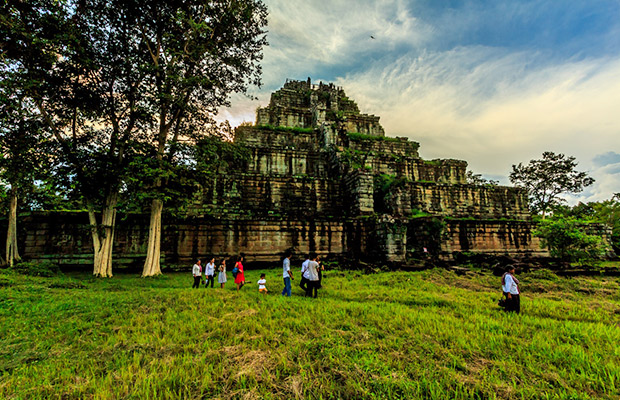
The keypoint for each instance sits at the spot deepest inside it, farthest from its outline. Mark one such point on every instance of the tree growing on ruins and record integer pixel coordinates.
(546, 179)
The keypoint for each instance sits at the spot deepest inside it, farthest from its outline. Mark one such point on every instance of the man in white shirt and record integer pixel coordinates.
(286, 274)
(313, 277)
(304, 274)
(197, 272)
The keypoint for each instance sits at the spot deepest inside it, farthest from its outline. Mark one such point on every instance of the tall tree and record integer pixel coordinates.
(200, 52)
(79, 64)
(22, 156)
(546, 179)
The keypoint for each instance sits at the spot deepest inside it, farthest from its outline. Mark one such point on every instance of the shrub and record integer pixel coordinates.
(37, 268)
(567, 239)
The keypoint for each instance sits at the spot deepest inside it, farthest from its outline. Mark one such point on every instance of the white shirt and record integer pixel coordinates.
(286, 267)
(197, 271)
(511, 285)
(304, 269)
(210, 269)
(313, 271)
(261, 284)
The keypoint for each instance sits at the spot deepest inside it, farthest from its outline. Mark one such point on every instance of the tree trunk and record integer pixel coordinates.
(103, 236)
(151, 265)
(12, 253)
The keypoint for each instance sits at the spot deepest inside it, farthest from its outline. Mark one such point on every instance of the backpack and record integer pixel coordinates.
(235, 271)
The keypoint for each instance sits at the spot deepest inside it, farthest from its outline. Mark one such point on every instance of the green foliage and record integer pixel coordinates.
(385, 188)
(546, 179)
(477, 179)
(353, 159)
(567, 239)
(284, 129)
(429, 334)
(435, 163)
(605, 212)
(415, 213)
(37, 268)
(358, 137)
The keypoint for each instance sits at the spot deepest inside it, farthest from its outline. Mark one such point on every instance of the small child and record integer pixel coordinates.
(261, 285)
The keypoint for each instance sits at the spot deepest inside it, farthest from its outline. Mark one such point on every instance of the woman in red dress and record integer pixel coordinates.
(240, 278)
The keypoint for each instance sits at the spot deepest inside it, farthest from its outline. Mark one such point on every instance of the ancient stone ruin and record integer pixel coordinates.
(321, 177)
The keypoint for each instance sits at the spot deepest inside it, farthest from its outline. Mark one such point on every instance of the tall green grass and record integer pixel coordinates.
(394, 335)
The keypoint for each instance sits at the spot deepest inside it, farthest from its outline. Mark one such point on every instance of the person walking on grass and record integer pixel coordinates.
(303, 283)
(286, 274)
(209, 272)
(197, 272)
(262, 282)
(313, 277)
(510, 285)
(240, 278)
(221, 276)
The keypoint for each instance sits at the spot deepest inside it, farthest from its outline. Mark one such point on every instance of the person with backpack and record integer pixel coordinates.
(238, 273)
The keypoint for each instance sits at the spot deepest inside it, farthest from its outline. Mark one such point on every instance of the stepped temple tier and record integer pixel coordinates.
(321, 176)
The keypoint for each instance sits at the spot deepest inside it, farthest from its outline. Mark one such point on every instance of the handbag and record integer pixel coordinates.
(502, 303)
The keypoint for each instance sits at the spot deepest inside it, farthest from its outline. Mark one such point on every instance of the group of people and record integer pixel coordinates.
(511, 302)
(311, 278)
(222, 278)
(310, 282)
(311, 275)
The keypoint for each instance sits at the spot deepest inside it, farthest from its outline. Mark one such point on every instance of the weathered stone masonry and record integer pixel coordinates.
(321, 177)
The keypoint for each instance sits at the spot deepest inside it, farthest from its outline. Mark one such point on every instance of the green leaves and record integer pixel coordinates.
(568, 238)
(548, 178)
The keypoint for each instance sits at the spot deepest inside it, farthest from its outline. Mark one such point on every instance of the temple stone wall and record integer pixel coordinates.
(255, 195)
(468, 201)
(512, 238)
(65, 238)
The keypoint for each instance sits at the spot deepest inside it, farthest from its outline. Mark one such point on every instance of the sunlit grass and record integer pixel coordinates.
(428, 334)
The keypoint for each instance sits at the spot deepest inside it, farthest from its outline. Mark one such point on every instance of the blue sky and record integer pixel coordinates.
(492, 82)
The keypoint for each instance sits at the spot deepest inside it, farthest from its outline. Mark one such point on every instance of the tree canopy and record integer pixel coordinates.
(116, 82)
(548, 178)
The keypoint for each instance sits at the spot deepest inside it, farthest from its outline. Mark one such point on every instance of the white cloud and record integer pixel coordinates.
(494, 109)
(430, 80)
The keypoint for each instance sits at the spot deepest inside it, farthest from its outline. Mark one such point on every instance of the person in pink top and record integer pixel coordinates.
(240, 278)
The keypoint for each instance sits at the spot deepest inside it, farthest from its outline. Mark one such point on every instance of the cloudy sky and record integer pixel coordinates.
(492, 82)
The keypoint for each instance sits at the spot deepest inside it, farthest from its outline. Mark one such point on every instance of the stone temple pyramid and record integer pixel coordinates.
(319, 176)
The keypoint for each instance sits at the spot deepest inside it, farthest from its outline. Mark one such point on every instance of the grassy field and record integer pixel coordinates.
(392, 335)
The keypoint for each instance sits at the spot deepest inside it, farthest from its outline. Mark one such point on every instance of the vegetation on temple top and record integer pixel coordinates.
(356, 137)
(386, 187)
(477, 179)
(284, 129)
